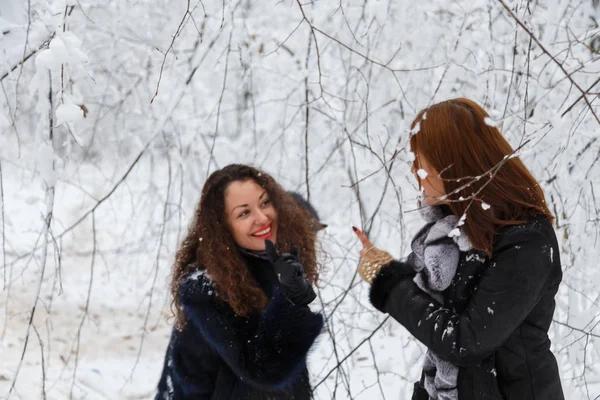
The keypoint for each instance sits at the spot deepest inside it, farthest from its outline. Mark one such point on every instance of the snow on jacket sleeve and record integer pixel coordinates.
(268, 351)
(507, 292)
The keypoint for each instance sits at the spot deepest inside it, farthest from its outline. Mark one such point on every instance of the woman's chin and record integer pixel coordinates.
(258, 244)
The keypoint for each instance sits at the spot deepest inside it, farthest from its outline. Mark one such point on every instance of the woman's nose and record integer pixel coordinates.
(261, 217)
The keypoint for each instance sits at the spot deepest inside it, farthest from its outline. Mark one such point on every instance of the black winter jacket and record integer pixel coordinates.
(495, 317)
(221, 356)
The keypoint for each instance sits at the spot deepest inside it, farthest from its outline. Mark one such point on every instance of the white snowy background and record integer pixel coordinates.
(112, 113)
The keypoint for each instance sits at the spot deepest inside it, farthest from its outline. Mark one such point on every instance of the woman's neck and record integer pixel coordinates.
(262, 254)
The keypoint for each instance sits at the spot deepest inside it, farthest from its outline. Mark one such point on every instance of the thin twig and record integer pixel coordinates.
(46, 235)
(177, 32)
(566, 325)
(87, 304)
(353, 351)
(3, 226)
(220, 102)
(367, 58)
(23, 58)
(312, 32)
(41, 343)
(579, 98)
(156, 268)
(560, 65)
(306, 122)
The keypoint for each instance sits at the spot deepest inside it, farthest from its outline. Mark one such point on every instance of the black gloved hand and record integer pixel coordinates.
(292, 277)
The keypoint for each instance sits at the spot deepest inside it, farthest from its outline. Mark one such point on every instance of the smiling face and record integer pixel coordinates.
(430, 184)
(251, 216)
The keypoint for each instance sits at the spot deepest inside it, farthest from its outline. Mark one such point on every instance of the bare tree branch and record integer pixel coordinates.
(175, 35)
(46, 235)
(560, 65)
(219, 103)
(87, 305)
(365, 340)
(3, 226)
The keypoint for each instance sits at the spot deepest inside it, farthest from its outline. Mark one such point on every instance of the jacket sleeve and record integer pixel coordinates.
(507, 292)
(269, 352)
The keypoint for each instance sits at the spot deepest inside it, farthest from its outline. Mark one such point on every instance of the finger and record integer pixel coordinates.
(363, 238)
(294, 251)
(287, 258)
(271, 251)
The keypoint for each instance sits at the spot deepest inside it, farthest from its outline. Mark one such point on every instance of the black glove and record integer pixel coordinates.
(291, 275)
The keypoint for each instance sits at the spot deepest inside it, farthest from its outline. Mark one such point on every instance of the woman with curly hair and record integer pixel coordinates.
(241, 283)
(478, 288)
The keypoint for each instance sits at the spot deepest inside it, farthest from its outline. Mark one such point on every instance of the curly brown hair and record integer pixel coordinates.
(209, 243)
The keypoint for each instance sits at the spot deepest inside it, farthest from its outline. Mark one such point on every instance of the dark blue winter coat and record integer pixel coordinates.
(219, 355)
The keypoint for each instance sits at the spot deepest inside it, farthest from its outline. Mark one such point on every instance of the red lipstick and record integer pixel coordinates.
(262, 228)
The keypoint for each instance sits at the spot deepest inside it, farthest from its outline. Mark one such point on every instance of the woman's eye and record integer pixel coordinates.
(266, 203)
(243, 214)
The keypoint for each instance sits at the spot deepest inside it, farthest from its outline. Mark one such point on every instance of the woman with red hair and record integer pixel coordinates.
(478, 287)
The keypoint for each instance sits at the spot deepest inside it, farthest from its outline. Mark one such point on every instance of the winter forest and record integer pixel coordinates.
(113, 113)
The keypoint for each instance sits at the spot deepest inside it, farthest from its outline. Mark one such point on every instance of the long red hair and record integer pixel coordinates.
(478, 168)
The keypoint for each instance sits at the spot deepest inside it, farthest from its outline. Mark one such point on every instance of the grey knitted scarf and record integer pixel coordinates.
(435, 254)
